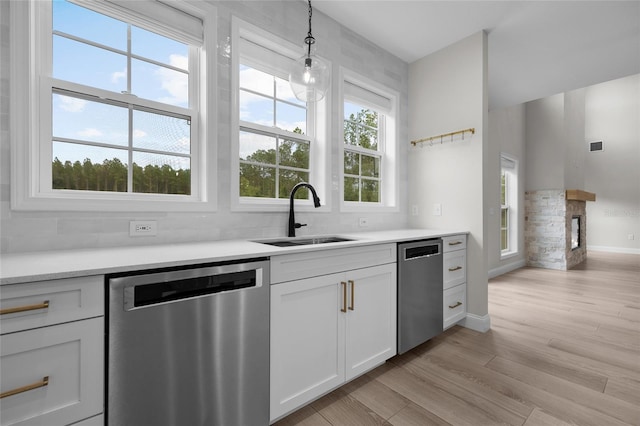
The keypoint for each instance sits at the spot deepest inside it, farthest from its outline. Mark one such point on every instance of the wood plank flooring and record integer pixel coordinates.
(563, 349)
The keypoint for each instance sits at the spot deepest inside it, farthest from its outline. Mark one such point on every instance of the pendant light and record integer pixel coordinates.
(309, 78)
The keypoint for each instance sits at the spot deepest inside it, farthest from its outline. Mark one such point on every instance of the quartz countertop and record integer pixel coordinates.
(47, 265)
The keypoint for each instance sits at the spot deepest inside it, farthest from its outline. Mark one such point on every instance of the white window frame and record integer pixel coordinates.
(388, 145)
(30, 118)
(317, 121)
(509, 167)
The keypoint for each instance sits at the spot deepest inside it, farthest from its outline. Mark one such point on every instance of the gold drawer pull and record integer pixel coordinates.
(43, 305)
(43, 383)
(455, 306)
(457, 268)
(344, 296)
(454, 243)
(353, 295)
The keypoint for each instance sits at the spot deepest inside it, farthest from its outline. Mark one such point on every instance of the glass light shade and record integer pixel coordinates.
(309, 78)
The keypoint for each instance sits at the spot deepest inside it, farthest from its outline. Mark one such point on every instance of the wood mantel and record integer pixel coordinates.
(579, 195)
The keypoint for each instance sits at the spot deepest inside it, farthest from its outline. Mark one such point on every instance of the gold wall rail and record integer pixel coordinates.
(445, 135)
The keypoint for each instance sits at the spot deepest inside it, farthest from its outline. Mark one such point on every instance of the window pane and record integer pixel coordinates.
(159, 48)
(256, 109)
(351, 163)
(257, 181)
(367, 137)
(88, 65)
(350, 133)
(257, 148)
(351, 189)
(284, 92)
(288, 179)
(351, 111)
(149, 81)
(291, 118)
(294, 154)
(370, 166)
(75, 118)
(83, 167)
(161, 174)
(504, 240)
(161, 132)
(258, 81)
(504, 218)
(89, 25)
(370, 191)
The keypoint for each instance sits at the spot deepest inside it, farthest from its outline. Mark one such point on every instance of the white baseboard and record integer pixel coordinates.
(506, 268)
(624, 250)
(476, 322)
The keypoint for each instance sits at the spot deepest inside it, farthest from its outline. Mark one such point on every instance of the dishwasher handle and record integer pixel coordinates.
(428, 249)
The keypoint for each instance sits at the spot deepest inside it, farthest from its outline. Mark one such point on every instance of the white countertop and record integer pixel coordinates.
(39, 266)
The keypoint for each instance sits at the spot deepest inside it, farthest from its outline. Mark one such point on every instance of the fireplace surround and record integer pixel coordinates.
(555, 234)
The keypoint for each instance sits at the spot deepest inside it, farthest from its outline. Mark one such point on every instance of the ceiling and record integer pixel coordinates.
(536, 48)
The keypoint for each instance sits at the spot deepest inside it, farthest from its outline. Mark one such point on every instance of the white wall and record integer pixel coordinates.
(447, 92)
(506, 135)
(612, 114)
(545, 148)
(31, 231)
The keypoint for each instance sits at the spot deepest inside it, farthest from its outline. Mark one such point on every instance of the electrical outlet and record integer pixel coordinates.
(437, 209)
(414, 210)
(363, 222)
(630, 237)
(143, 228)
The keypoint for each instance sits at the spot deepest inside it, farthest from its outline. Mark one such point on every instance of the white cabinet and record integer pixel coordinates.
(52, 351)
(328, 329)
(454, 279)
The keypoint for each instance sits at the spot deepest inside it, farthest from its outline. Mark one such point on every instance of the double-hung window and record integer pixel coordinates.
(368, 148)
(508, 205)
(277, 143)
(118, 114)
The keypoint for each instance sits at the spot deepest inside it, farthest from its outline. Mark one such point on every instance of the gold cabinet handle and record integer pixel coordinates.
(353, 294)
(455, 305)
(454, 243)
(344, 296)
(456, 268)
(41, 384)
(25, 308)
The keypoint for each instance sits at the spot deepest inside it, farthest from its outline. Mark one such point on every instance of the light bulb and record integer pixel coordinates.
(309, 77)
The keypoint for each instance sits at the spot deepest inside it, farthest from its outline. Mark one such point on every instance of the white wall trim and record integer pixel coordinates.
(476, 322)
(503, 269)
(626, 250)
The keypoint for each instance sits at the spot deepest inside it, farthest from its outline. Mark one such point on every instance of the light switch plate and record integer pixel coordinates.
(437, 209)
(143, 228)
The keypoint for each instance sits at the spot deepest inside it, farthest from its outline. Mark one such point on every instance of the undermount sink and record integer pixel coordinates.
(292, 242)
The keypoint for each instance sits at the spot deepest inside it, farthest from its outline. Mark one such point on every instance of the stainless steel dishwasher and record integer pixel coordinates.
(189, 346)
(419, 292)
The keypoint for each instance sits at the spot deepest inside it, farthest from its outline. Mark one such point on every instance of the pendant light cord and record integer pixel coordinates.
(309, 39)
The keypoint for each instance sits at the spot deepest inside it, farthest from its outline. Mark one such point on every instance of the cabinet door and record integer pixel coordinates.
(371, 318)
(52, 375)
(307, 341)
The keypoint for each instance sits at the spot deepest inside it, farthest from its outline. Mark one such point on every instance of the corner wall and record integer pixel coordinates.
(448, 92)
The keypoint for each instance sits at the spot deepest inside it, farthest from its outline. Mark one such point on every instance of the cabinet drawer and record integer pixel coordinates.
(70, 356)
(454, 268)
(455, 242)
(46, 303)
(297, 266)
(455, 305)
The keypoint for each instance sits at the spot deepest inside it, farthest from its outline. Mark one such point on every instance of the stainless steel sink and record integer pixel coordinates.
(292, 242)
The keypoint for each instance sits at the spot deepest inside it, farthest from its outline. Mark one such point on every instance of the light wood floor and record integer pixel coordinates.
(564, 348)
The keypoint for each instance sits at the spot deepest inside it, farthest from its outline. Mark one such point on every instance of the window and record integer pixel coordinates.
(121, 115)
(508, 205)
(279, 139)
(368, 148)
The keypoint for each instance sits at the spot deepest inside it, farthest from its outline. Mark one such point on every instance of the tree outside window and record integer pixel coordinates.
(361, 154)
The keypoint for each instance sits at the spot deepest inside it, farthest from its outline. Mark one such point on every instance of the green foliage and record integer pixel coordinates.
(111, 175)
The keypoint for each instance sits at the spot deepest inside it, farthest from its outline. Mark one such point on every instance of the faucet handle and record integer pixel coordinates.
(300, 225)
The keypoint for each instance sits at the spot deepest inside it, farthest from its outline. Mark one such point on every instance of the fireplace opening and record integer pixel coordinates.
(575, 232)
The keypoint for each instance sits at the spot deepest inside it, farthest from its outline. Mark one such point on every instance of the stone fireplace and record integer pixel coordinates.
(555, 234)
